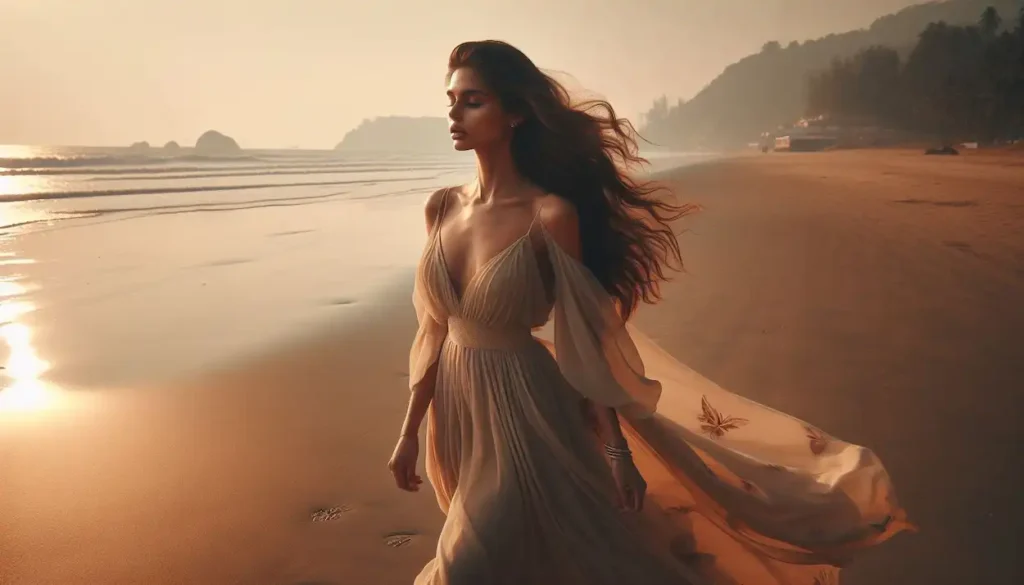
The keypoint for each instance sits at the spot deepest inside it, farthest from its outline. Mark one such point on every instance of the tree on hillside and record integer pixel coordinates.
(658, 111)
(858, 89)
(943, 79)
(958, 83)
(659, 116)
(989, 22)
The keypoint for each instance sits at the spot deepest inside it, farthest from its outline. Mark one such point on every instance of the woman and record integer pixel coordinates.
(597, 459)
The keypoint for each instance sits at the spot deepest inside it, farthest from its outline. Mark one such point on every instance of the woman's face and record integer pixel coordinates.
(477, 119)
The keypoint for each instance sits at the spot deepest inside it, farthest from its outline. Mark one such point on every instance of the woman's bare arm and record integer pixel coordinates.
(419, 402)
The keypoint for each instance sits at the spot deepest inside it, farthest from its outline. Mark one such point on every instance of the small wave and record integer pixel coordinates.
(57, 219)
(175, 171)
(19, 224)
(46, 195)
(63, 162)
(264, 171)
(211, 206)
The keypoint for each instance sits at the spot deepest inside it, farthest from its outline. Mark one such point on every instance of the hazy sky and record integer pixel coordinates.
(278, 73)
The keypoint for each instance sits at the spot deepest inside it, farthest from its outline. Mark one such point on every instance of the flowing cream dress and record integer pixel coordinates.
(738, 493)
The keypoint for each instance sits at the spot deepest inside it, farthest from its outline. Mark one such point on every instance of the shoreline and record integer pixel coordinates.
(254, 269)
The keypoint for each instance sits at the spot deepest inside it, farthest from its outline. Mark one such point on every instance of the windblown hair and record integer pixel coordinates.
(581, 152)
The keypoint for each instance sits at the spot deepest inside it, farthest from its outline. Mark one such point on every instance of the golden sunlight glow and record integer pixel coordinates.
(9, 186)
(7, 259)
(13, 210)
(21, 387)
(12, 183)
(9, 289)
(26, 391)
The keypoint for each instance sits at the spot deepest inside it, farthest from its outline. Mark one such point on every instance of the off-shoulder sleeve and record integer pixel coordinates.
(796, 499)
(426, 345)
(592, 343)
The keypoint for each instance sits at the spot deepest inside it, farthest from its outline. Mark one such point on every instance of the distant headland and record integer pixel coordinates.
(427, 135)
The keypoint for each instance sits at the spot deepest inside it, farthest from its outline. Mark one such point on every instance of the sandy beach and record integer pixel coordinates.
(876, 294)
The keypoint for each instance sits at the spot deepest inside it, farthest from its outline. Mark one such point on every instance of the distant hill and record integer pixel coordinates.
(768, 89)
(399, 134)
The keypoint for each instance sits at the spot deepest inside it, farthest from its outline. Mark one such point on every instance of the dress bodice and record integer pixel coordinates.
(507, 293)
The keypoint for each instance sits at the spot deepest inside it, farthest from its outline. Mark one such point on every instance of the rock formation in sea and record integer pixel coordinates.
(172, 146)
(213, 142)
(428, 135)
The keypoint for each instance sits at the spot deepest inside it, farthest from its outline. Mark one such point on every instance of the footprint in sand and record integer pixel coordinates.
(399, 539)
(329, 514)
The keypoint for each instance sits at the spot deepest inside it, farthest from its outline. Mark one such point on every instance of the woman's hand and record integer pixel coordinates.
(630, 484)
(403, 463)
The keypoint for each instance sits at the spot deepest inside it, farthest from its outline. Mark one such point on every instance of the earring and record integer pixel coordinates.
(512, 125)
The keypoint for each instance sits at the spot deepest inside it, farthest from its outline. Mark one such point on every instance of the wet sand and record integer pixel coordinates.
(874, 293)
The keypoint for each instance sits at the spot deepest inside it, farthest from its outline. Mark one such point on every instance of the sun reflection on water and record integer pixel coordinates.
(22, 388)
(19, 189)
(7, 185)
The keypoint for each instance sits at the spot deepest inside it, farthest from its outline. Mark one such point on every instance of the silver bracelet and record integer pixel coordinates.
(618, 452)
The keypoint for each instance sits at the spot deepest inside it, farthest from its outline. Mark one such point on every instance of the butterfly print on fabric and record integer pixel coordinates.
(714, 423)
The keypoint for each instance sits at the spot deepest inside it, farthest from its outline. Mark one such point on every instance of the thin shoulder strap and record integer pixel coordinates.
(536, 216)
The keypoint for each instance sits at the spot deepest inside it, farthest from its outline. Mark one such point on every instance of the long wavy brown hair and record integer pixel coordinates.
(581, 152)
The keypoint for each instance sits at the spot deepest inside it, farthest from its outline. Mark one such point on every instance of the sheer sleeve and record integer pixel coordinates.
(426, 345)
(592, 343)
(794, 497)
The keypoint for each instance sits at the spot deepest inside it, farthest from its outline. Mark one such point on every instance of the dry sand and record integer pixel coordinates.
(877, 294)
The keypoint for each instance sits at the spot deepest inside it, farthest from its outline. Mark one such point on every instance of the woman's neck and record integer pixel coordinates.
(496, 175)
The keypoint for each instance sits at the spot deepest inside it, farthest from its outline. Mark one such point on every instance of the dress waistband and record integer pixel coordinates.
(480, 336)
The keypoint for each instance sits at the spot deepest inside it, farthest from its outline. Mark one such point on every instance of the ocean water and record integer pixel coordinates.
(119, 268)
(52, 184)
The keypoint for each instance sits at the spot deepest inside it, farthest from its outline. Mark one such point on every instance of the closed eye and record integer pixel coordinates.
(470, 97)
